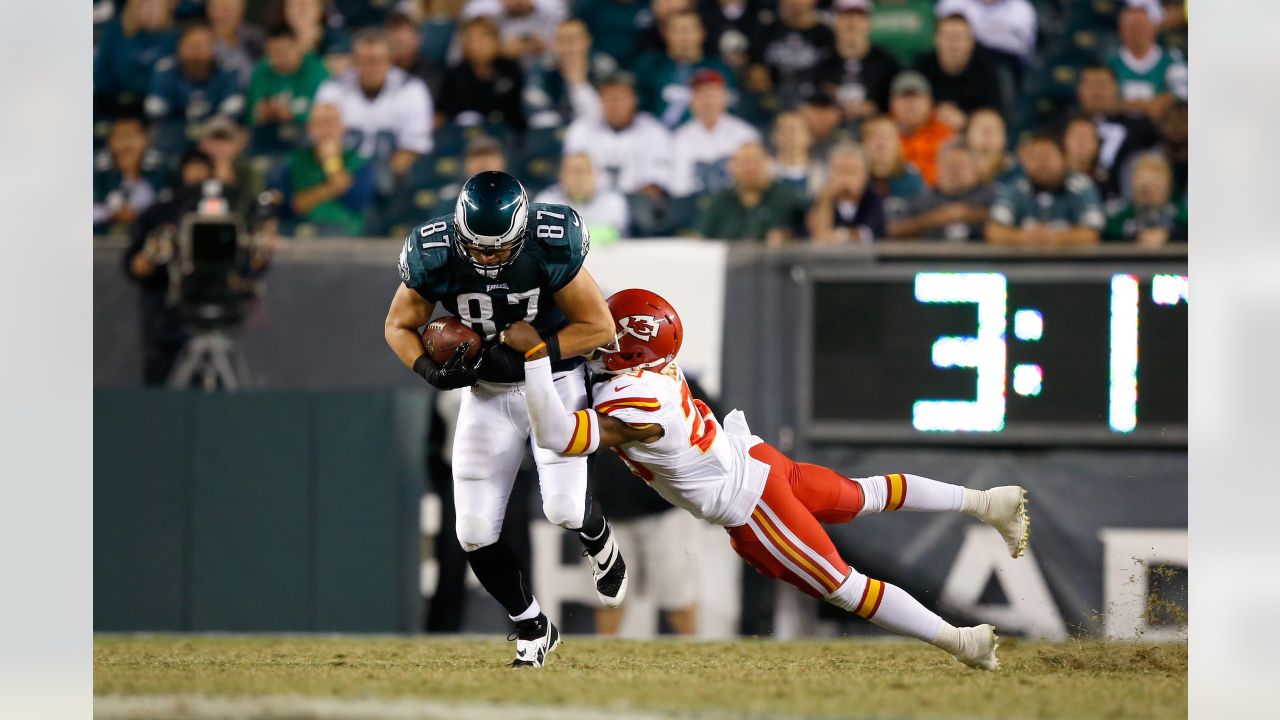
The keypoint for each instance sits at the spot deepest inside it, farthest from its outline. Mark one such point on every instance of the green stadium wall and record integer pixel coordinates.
(260, 511)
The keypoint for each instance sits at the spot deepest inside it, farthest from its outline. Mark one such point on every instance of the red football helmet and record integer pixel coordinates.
(647, 333)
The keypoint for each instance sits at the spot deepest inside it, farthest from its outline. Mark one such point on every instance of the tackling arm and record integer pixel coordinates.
(555, 428)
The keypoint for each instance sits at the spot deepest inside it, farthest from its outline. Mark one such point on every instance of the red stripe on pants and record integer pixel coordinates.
(781, 497)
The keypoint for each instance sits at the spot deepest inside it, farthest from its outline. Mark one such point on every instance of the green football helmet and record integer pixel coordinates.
(491, 215)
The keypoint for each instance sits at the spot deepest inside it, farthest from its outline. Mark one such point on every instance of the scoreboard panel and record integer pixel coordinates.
(1022, 354)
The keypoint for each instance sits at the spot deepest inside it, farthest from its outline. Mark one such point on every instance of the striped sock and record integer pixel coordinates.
(886, 605)
(900, 491)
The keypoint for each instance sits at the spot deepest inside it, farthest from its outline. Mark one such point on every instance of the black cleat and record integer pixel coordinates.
(534, 639)
(610, 572)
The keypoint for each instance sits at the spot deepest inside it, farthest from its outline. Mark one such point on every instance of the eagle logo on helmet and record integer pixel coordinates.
(644, 327)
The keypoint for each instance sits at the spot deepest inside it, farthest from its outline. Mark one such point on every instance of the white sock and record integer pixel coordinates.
(901, 491)
(886, 605)
(530, 613)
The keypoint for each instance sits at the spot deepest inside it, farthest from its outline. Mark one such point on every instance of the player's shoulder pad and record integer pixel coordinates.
(426, 250)
(634, 391)
(573, 240)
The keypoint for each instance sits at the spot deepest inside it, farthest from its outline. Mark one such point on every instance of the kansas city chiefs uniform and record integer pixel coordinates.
(696, 465)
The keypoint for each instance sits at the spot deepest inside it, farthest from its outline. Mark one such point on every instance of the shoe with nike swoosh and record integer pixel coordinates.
(534, 640)
(610, 573)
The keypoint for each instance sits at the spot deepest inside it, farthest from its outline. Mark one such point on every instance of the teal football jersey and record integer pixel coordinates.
(555, 247)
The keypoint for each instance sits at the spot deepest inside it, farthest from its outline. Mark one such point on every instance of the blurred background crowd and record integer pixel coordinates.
(1030, 122)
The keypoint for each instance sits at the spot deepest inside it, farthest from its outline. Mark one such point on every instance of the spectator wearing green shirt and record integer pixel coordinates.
(664, 79)
(1150, 76)
(326, 185)
(1150, 218)
(283, 83)
(1051, 206)
(756, 207)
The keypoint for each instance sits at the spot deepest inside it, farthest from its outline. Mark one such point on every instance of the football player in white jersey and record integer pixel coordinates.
(773, 508)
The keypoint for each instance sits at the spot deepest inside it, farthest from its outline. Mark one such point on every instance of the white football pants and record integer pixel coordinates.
(488, 444)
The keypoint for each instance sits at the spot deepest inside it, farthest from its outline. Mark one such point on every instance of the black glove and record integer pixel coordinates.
(502, 364)
(455, 373)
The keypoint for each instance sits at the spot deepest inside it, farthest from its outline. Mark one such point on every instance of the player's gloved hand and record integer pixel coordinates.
(502, 362)
(454, 373)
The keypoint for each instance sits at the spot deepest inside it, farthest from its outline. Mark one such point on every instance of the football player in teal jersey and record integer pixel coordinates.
(496, 260)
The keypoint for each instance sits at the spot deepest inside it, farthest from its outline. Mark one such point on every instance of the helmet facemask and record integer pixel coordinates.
(465, 246)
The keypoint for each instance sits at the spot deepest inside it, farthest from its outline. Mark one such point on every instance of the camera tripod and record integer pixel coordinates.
(214, 357)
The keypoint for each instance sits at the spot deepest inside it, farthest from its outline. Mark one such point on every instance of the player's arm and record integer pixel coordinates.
(409, 311)
(590, 324)
(1076, 236)
(554, 427)
(998, 233)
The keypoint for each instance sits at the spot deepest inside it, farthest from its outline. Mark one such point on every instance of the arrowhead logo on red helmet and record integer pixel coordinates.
(644, 327)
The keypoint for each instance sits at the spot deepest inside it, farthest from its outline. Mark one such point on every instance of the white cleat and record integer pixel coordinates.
(977, 647)
(610, 573)
(1007, 512)
(534, 640)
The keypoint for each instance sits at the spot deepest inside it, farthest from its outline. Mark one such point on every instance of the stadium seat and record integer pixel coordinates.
(538, 161)
(418, 195)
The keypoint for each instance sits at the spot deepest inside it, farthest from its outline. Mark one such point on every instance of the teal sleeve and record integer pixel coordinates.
(565, 255)
(412, 272)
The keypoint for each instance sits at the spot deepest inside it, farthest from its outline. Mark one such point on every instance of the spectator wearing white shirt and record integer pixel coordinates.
(604, 211)
(631, 149)
(378, 100)
(703, 145)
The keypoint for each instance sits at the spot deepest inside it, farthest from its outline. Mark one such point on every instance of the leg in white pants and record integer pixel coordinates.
(493, 427)
(563, 480)
(487, 449)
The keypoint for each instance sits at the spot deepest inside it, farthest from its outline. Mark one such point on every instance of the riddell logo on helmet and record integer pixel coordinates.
(644, 327)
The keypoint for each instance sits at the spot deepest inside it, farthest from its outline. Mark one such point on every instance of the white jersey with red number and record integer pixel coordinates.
(695, 465)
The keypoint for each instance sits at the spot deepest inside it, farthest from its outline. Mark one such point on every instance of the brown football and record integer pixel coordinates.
(443, 336)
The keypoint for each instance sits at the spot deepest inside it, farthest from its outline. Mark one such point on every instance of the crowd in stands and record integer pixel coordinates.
(1024, 122)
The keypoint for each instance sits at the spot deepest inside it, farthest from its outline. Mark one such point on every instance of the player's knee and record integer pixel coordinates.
(564, 510)
(475, 532)
(849, 594)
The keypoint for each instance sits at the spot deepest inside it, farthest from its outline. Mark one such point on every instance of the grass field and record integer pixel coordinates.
(367, 677)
